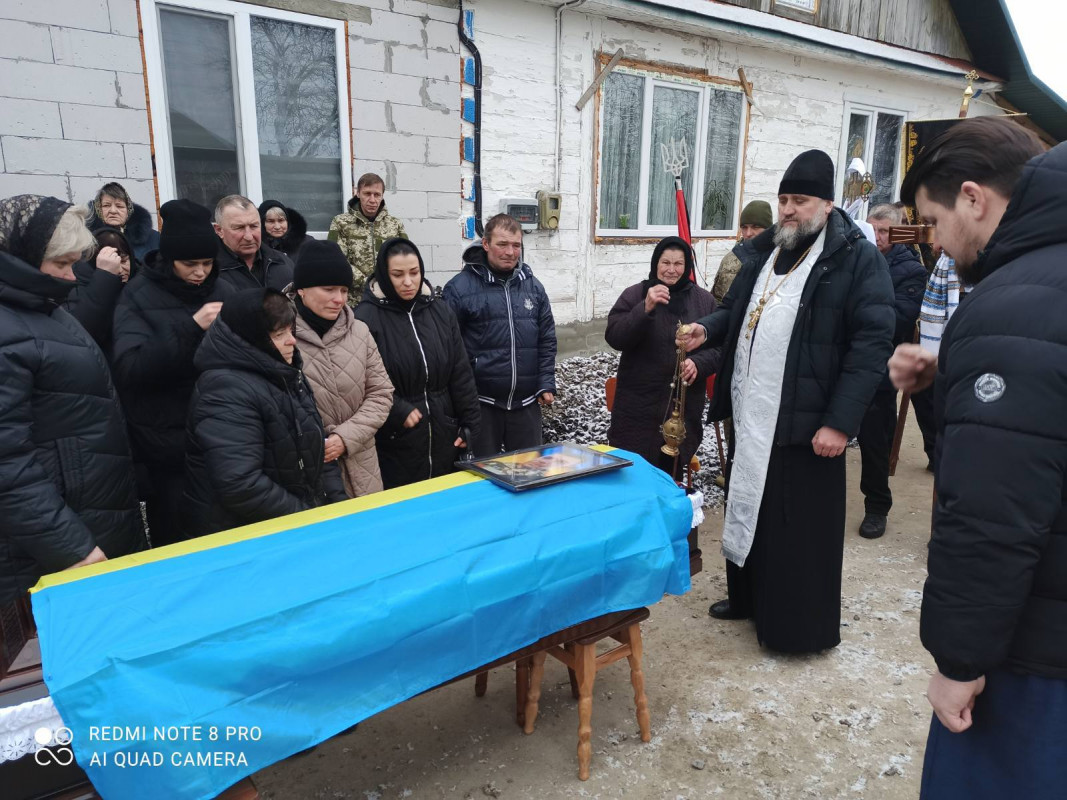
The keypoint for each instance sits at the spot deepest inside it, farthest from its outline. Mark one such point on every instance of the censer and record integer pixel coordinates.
(673, 429)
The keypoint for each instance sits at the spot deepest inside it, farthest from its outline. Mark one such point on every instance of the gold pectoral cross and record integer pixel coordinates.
(753, 318)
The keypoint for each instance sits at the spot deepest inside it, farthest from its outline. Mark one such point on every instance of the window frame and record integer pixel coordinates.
(675, 78)
(872, 111)
(240, 14)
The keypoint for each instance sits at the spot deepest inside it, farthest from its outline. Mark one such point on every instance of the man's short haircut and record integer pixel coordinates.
(370, 179)
(990, 151)
(501, 222)
(235, 200)
(887, 211)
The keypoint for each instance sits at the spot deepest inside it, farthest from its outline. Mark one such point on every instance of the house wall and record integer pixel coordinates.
(799, 104)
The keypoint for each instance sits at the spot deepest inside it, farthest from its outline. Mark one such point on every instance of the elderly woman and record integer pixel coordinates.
(284, 229)
(114, 208)
(256, 447)
(159, 323)
(342, 364)
(435, 399)
(641, 326)
(67, 494)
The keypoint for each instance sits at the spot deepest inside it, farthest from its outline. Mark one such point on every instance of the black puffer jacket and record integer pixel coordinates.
(275, 270)
(155, 338)
(909, 284)
(255, 441)
(92, 300)
(66, 478)
(996, 595)
(508, 331)
(842, 337)
(427, 364)
(646, 368)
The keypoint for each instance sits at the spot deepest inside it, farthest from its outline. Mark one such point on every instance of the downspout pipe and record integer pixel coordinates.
(467, 42)
(559, 88)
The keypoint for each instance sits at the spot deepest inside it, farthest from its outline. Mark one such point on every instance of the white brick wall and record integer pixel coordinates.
(72, 104)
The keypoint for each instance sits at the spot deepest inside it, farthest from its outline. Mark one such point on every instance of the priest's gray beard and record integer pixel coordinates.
(789, 238)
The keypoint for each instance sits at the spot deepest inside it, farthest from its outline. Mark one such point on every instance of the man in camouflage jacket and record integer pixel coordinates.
(361, 231)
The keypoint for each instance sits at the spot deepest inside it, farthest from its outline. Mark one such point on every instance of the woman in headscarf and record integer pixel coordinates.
(342, 364)
(642, 326)
(434, 398)
(114, 208)
(255, 447)
(158, 325)
(67, 493)
(100, 281)
(284, 229)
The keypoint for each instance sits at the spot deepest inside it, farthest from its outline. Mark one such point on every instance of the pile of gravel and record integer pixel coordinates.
(580, 415)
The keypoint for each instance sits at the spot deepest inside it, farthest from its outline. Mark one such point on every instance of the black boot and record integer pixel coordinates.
(873, 525)
(722, 610)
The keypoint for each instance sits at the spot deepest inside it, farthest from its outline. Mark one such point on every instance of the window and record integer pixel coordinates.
(641, 112)
(810, 6)
(247, 100)
(873, 136)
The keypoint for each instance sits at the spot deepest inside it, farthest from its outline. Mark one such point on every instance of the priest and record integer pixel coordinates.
(806, 331)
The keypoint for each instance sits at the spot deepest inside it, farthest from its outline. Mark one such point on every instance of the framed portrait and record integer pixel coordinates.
(544, 465)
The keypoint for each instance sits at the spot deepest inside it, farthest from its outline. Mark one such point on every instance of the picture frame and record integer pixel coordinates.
(533, 467)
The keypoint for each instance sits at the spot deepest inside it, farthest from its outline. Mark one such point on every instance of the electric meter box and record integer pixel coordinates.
(549, 204)
(523, 209)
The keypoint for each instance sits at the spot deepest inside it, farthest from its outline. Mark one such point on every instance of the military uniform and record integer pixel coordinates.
(360, 238)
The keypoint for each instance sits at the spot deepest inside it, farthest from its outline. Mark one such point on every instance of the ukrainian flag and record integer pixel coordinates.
(300, 627)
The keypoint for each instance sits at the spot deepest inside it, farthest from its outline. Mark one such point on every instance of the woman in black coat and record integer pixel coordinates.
(434, 398)
(255, 444)
(642, 325)
(114, 208)
(284, 229)
(67, 492)
(100, 281)
(159, 323)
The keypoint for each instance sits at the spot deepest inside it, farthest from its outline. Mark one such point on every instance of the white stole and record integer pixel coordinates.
(756, 393)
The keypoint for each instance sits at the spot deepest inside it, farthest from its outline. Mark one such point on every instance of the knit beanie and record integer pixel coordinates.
(811, 173)
(321, 264)
(758, 213)
(186, 233)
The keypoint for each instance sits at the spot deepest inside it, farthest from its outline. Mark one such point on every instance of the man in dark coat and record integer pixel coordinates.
(158, 324)
(641, 325)
(255, 445)
(243, 260)
(510, 336)
(805, 328)
(67, 494)
(434, 396)
(880, 422)
(994, 610)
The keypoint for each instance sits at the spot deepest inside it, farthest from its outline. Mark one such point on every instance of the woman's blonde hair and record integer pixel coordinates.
(71, 235)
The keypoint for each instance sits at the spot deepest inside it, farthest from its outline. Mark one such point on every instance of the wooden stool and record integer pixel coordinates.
(583, 663)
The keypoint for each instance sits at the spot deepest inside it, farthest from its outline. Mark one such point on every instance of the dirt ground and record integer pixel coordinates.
(728, 719)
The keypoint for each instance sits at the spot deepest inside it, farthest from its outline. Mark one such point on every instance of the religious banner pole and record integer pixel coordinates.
(675, 156)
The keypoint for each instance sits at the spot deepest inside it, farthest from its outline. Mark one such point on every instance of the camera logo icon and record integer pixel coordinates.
(53, 746)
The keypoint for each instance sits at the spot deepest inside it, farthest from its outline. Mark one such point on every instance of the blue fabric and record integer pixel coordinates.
(1016, 748)
(305, 632)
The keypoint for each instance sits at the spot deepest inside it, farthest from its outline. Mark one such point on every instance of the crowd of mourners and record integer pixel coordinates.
(230, 368)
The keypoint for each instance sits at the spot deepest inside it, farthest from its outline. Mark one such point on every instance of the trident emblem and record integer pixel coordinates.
(675, 155)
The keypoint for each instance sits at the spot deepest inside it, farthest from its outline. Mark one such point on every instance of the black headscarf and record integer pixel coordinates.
(295, 233)
(246, 314)
(676, 305)
(381, 272)
(27, 223)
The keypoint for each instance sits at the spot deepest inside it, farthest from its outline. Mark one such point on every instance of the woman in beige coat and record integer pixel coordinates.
(341, 361)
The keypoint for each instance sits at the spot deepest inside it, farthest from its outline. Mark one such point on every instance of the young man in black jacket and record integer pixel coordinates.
(994, 610)
(510, 336)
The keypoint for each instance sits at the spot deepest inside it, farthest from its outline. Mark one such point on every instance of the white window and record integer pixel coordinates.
(873, 136)
(248, 100)
(640, 111)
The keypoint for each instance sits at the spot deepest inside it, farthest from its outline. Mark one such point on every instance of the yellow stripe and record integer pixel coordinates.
(265, 528)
